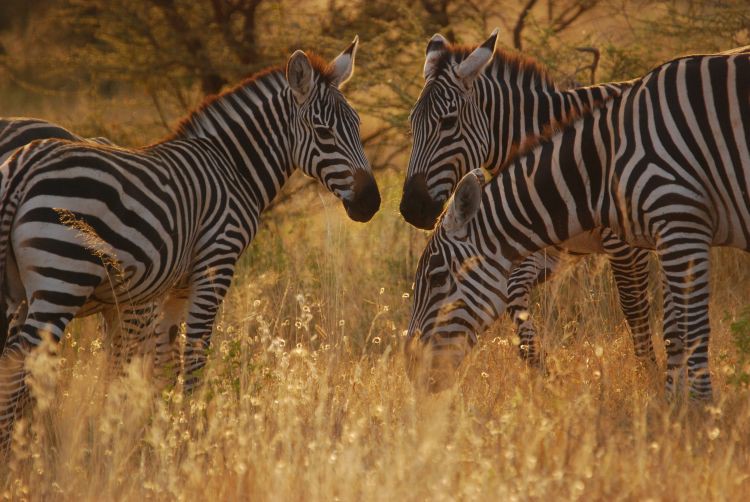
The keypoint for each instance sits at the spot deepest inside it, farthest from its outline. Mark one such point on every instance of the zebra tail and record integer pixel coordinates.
(4, 326)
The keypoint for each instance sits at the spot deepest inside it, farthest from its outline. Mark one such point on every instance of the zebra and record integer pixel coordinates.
(665, 166)
(16, 132)
(87, 227)
(128, 333)
(479, 119)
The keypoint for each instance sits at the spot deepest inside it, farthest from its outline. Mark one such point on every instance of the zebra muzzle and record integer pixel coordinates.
(417, 205)
(366, 201)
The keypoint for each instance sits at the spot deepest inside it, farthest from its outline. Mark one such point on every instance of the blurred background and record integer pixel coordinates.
(128, 70)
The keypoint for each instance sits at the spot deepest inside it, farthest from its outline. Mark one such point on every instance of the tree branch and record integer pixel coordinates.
(569, 16)
(520, 23)
(594, 64)
(211, 80)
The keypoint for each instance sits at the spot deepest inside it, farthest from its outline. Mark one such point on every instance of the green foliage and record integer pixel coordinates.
(741, 340)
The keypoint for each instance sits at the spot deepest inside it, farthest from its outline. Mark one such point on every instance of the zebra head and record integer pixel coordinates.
(451, 131)
(325, 132)
(459, 289)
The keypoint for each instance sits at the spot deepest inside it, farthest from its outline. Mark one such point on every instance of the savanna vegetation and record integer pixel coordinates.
(305, 394)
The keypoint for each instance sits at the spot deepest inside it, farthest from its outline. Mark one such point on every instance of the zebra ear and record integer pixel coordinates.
(475, 62)
(465, 202)
(435, 48)
(299, 74)
(343, 66)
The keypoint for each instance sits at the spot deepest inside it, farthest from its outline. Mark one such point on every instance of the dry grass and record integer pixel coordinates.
(306, 395)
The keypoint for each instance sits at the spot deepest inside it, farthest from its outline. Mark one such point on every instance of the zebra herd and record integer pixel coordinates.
(149, 237)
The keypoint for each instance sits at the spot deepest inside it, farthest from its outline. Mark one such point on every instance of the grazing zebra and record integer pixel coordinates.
(127, 330)
(476, 107)
(84, 227)
(665, 166)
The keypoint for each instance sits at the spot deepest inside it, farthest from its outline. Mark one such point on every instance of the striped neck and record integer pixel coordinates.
(251, 125)
(530, 103)
(552, 192)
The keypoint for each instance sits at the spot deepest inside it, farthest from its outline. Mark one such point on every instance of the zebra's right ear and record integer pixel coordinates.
(435, 48)
(465, 202)
(342, 67)
(475, 62)
(299, 74)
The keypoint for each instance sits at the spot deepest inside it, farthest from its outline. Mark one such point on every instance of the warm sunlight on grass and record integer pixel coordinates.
(306, 397)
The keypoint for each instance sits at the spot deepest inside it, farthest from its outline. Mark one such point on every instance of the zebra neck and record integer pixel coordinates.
(250, 126)
(534, 109)
(551, 193)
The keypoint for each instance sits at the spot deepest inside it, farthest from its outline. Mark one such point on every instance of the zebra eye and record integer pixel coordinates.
(448, 122)
(324, 133)
(437, 279)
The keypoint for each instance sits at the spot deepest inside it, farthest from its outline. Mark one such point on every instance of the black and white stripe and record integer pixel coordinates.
(665, 166)
(476, 107)
(127, 333)
(16, 132)
(85, 227)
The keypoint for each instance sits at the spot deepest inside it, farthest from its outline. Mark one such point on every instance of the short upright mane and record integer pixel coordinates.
(501, 59)
(320, 67)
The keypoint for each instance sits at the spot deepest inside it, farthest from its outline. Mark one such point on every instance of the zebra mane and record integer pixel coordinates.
(501, 60)
(545, 136)
(278, 72)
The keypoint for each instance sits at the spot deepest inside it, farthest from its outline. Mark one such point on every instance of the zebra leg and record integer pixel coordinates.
(630, 270)
(139, 323)
(112, 327)
(167, 352)
(53, 298)
(534, 270)
(686, 268)
(207, 292)
(14, 391)
(673, 340)
(13, 301)
(16, 313)
(126, 328)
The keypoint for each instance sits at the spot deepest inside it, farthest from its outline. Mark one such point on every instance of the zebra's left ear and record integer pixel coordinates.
(435, 49)
(343, 66)
(299, 74)
(475, 62)
(465, 202)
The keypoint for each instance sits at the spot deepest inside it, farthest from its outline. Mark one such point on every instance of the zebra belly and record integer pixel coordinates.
(584, 243)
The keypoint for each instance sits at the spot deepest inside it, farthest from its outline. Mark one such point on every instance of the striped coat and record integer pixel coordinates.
(84, 228)
(665, 166)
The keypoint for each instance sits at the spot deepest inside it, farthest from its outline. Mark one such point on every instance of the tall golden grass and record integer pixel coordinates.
(306, 395)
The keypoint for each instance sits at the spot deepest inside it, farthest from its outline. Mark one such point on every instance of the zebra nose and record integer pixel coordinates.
(417, 205)
(428, 369)
(366, 201)
(412, 352)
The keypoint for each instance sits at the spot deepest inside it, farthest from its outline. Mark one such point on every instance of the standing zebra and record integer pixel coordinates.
(126, 330)
(665, 166)
(476, 107)
(85, 227)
